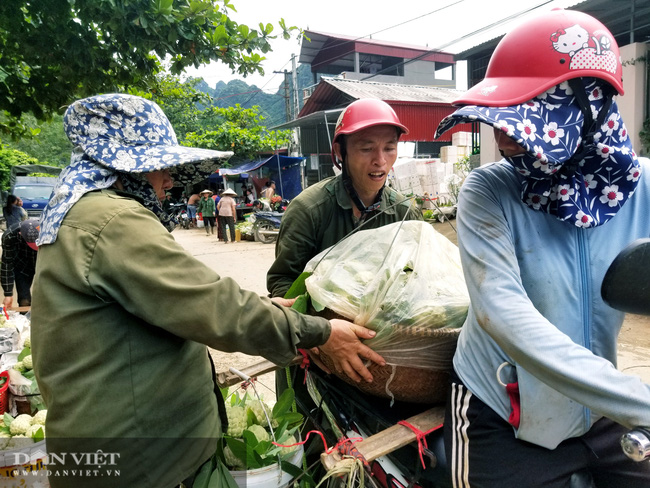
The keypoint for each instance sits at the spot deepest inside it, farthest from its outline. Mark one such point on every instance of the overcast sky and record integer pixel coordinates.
(432, 23)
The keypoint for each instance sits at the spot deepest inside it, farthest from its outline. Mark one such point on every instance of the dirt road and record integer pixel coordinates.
(247, 262)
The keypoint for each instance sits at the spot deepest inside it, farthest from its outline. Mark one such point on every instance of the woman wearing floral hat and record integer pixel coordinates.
(536, 396)
(122, 314)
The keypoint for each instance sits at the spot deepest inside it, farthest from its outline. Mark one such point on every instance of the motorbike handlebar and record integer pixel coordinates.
(636, 444)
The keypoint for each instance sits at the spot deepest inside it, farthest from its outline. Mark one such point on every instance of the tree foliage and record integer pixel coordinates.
(51, 146)
(53, 51)
(10, 158)
(236, 129)
(198, 123)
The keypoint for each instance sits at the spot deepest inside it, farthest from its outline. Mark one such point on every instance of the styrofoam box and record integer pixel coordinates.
(461, 139)
(463, 151)
(448, 154)
(405, 167)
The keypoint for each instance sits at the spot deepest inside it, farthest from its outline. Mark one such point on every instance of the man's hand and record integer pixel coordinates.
(285, 302)
(8, 302)
(345, 349)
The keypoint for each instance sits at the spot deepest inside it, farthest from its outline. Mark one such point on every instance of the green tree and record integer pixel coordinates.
(10, 158)
(53, 51)
(236, 129)
(198, 123)
(182, 103)
(51, 146)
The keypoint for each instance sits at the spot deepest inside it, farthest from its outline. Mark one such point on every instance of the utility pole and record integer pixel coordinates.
(287, 98)
(294, 77)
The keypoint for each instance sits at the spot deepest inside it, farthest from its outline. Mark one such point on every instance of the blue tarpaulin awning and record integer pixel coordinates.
(284, 170)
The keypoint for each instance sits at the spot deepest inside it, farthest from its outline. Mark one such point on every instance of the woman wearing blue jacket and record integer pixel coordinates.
(536, 395)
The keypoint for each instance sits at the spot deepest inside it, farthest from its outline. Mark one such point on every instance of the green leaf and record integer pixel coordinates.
(221, 478)
(203, 477)
(25, 352)
(250, 439)
(296, 472)
(7, 419)
(238, 448)
(39, 435)
(298, 287)
(251, 418)
(292, 418)
(301, 304)
(284, 403)
(262, 447)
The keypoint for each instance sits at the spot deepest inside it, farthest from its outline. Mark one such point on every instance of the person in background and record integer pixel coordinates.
(167, 202)
(227, 214)
(247, 195)
(269, 189)
(13, 211)
(19, 251)
(535, 395)
(192, 203)
(207, 210)
(122, 314)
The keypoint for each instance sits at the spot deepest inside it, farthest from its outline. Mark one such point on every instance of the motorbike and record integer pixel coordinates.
(266, 222)
(625, 288)
(397, 456)
(266, 226)
(180, 211)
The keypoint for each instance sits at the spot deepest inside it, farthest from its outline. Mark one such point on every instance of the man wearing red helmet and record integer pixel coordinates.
(535, 393)
(365, 147)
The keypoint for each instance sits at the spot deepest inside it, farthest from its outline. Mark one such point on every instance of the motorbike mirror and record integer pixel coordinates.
(626, 285)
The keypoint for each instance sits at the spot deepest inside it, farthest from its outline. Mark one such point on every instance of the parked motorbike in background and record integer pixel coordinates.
(180, 211)
(266, 222)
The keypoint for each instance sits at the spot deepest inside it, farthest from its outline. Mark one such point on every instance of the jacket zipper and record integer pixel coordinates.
(586, 300)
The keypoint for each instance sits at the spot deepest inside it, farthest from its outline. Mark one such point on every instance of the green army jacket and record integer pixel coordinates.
(121, 317)
(318, 218)
(206, 207)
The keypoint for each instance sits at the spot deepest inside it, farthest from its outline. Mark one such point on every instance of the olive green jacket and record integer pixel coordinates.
(121, 316)
(318, 218)
(206, 207)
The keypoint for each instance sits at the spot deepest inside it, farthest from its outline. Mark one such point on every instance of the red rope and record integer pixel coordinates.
(4, 310)
(420, 437)
(343, 441)
(304, 364)
(247, 383)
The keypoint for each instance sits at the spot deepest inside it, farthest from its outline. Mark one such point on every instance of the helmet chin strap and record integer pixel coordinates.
(354, 196)
(589, 126)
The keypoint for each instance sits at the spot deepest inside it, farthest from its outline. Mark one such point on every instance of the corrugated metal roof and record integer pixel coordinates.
(420, 108)
(338, 92)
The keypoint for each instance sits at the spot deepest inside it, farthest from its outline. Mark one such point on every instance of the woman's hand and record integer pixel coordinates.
(345, 349)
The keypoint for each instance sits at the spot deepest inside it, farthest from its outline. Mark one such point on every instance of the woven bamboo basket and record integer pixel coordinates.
(405, 383)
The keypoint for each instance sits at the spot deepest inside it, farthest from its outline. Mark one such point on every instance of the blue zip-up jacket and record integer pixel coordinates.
(536, 308)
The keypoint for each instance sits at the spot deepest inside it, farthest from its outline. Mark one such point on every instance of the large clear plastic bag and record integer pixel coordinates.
(403, 280)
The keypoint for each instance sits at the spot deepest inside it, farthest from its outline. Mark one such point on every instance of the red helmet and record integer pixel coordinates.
(543, 52)
(362, 114)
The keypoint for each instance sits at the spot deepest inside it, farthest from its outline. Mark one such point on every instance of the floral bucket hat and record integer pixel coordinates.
(125, 136)
(587, 190)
